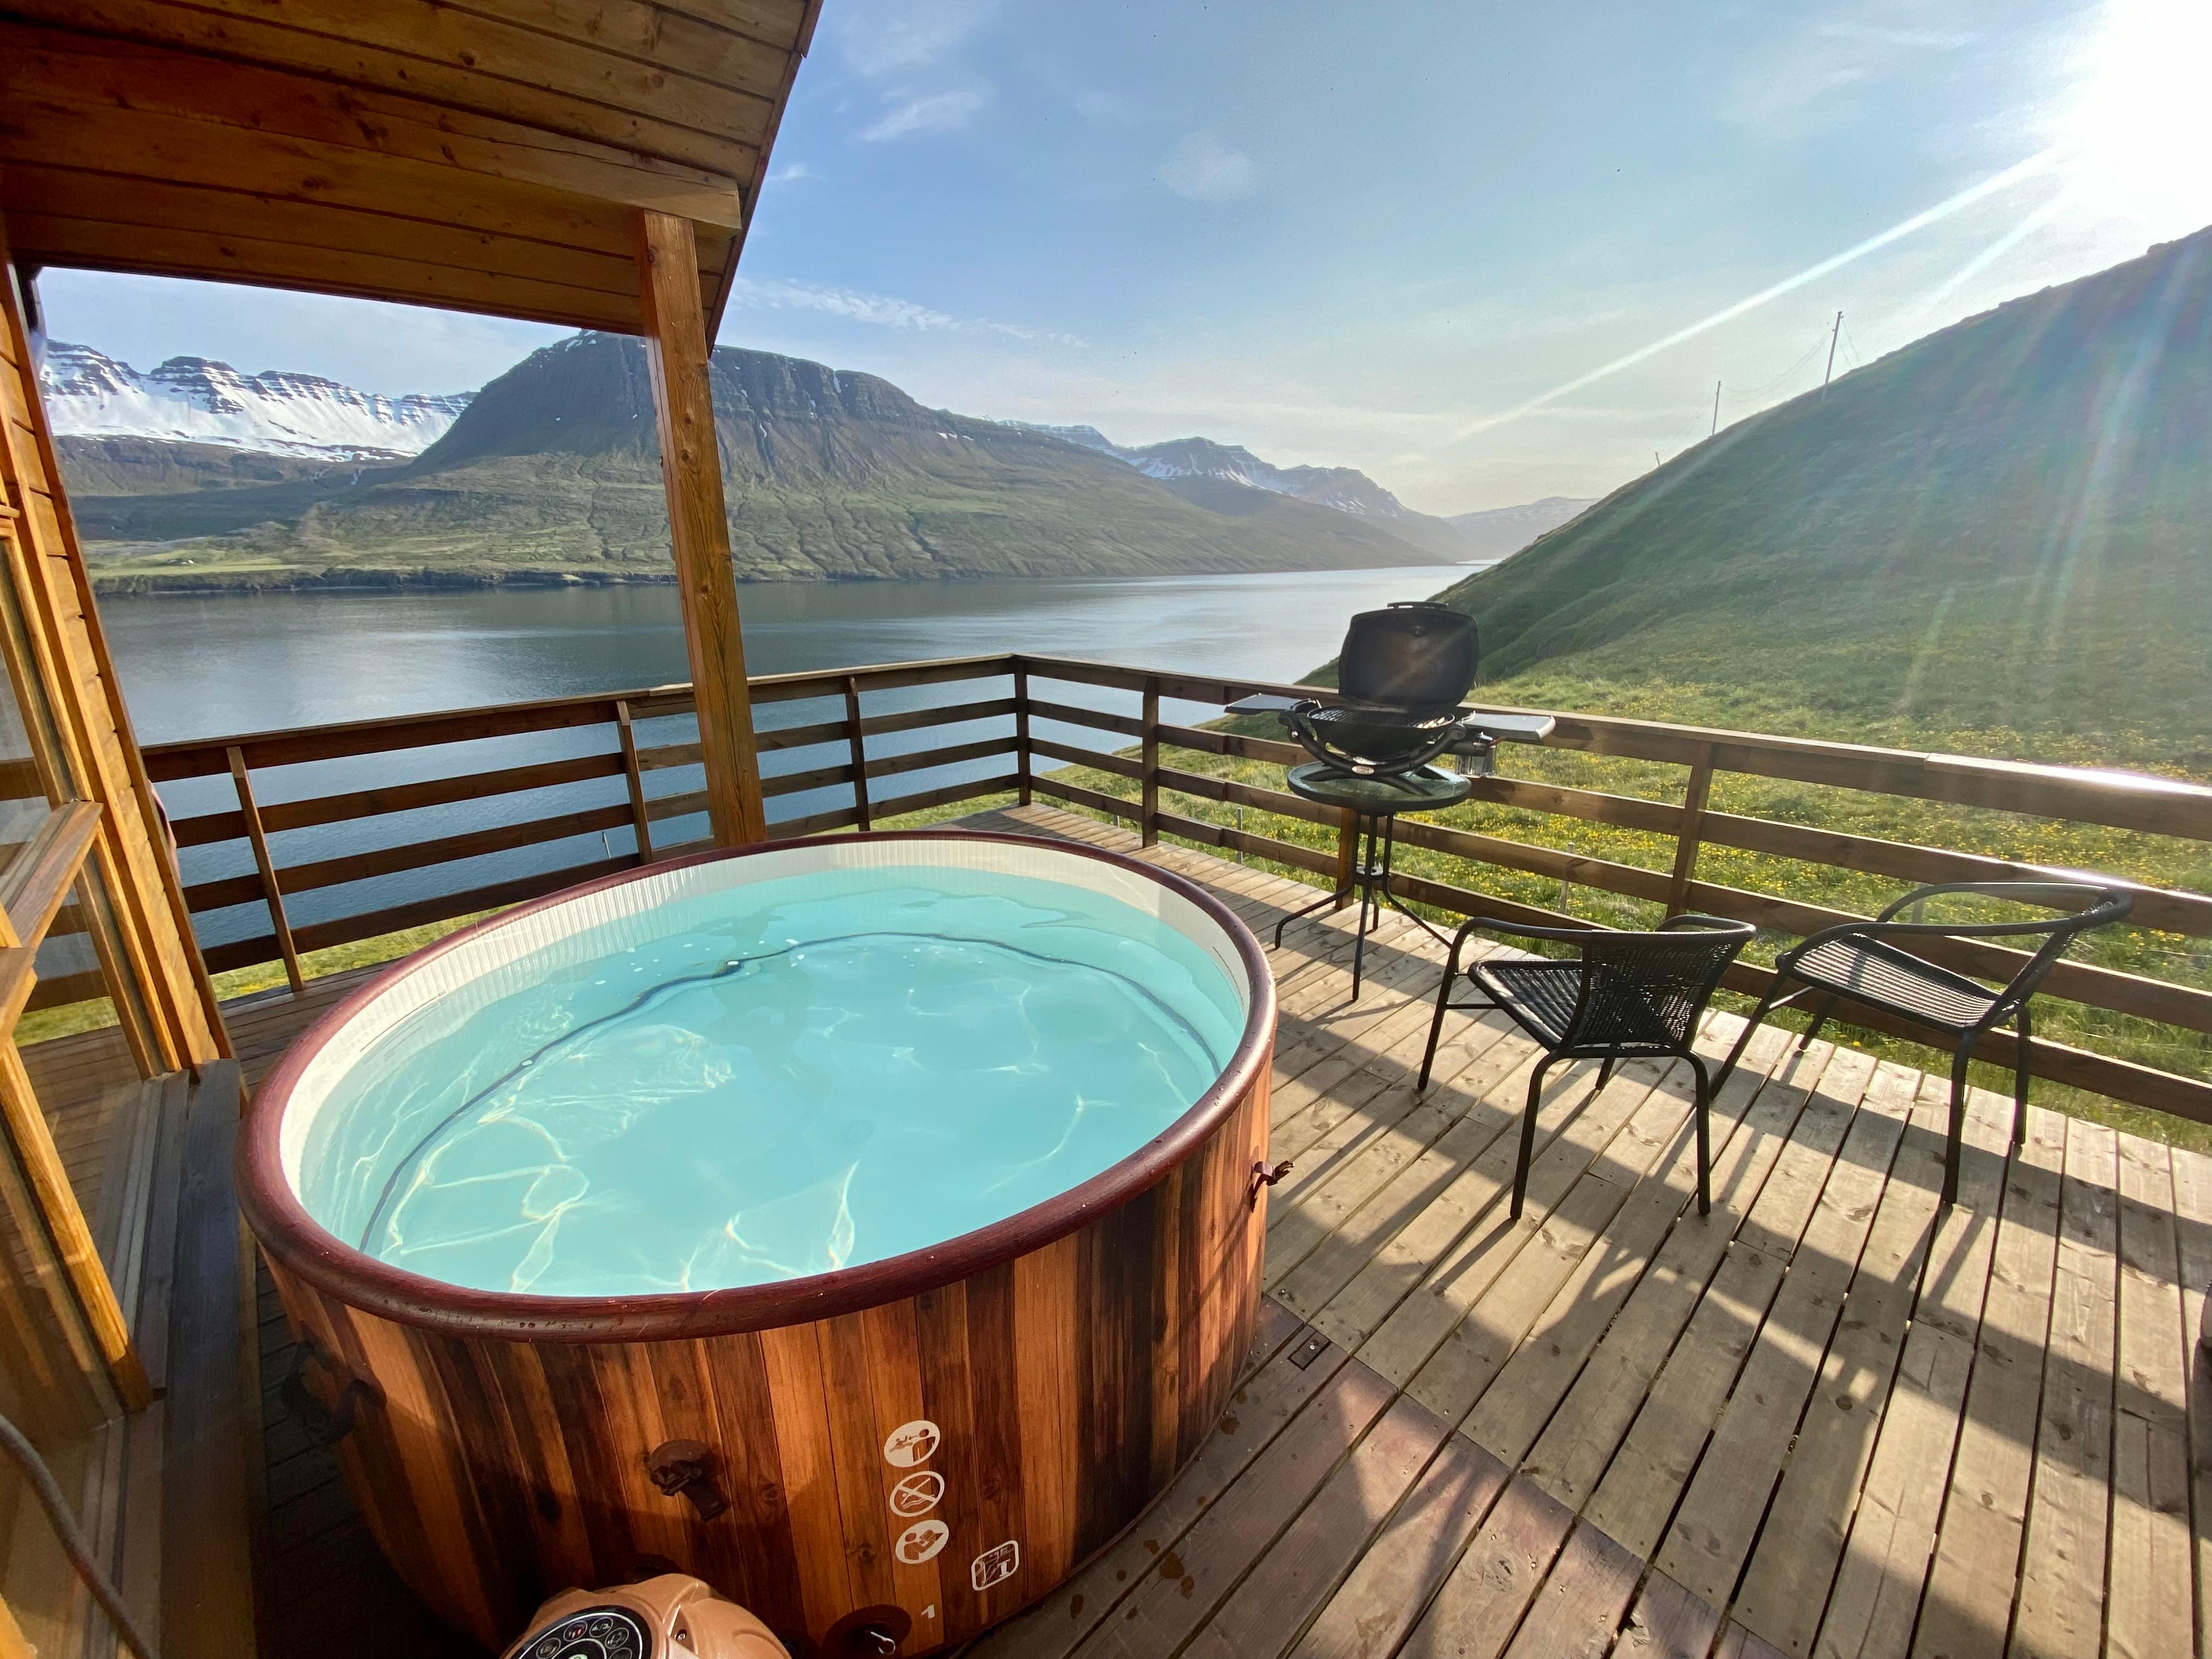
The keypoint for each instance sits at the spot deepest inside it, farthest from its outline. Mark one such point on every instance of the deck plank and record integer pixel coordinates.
(2062, 1593)
(1639, 1488)
(1793, 1565)
(2150, 1529)
(1876, 1597)
(1966, 1610)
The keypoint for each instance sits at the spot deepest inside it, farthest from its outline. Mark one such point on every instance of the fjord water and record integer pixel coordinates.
(782, 1078)
(198, 667)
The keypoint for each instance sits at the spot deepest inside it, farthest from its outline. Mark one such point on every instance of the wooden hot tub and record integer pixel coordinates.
(922, 1443)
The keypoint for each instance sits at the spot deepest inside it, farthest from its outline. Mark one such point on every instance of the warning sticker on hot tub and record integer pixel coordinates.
(920, 1542)
(995, 1565)
(911, 1443)
(917, 1494)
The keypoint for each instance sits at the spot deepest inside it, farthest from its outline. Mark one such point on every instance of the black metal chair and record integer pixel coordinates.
(1629, 996)
(1858, 961)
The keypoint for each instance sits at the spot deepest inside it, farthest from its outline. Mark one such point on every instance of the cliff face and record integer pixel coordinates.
(552, 472)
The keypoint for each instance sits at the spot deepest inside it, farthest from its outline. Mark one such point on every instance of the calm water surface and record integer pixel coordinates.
(204, 667)
(216, 666)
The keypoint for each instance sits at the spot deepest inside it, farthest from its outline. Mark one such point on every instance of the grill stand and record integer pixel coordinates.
(1375, 803)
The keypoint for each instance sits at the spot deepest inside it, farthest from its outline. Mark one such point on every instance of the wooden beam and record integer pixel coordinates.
(859, 737)
(1685, 835)
(640, 820)
(265, 862)
(675, 348)
(1148, 810)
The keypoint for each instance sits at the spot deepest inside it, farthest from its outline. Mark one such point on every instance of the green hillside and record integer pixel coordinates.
(2000, 534)
(552, 474)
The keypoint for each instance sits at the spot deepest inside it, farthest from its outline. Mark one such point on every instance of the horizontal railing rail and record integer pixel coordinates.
(2126, 801)
(262, 798)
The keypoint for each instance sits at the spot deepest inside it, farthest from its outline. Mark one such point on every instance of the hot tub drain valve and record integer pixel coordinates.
(687, 1467)
(1264, 1176)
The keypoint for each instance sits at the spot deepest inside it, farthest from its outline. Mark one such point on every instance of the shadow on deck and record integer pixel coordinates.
(1828, 1418)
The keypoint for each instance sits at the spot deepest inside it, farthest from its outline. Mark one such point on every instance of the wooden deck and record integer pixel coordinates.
(1830, 1419)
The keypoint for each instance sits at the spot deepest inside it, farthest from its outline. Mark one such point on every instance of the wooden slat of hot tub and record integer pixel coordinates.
(1600, 1349)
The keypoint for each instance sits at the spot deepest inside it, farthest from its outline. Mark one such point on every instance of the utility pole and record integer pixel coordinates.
(1832, 333)
(1717, 408)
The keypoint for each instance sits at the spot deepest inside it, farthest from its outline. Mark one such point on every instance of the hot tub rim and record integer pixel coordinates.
(301, 1245)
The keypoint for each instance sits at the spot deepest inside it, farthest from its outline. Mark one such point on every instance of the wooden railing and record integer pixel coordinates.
(1004, 700)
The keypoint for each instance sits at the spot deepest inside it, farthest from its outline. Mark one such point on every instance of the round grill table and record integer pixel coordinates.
(1375, 802)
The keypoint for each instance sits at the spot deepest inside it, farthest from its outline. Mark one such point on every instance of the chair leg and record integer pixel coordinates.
(1704, 1135)
(1958, 1131)
(1827, 1007)
(1605, 1071)
(1743, 1041)
(1529, 1135)
(1436, 1022)
(2019, 1081)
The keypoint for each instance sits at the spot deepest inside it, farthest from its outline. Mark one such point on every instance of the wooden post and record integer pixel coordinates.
(1348, 849)
(267, 864)
(640, 820)
(1685, 838)
(1148, 811)
(675, 348)
(1023, 791)
(859, 749)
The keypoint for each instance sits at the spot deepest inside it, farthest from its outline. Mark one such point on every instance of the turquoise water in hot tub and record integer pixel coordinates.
(786, 1077)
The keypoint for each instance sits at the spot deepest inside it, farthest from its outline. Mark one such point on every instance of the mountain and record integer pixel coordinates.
(2004, 527)
(1499, 532)
(550, 473)
(198, 401)
(1343, 488)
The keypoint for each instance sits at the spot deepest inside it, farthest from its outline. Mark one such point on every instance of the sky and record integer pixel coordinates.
(1484, 252)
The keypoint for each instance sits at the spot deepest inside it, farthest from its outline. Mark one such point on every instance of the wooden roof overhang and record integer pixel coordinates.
(480, 156)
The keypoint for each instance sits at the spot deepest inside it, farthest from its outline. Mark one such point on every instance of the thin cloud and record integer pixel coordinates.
(935, 111)
(879, 310)
(792, 173)
(901, 36)
(1204, 170)
(1930, 39)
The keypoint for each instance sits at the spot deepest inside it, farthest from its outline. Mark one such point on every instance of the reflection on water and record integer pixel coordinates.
(208, 666)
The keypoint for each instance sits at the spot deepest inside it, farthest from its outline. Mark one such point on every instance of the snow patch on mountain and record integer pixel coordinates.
(1345, 489)
(197, 400)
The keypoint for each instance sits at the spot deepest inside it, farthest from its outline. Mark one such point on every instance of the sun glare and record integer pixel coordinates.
(2142, 131)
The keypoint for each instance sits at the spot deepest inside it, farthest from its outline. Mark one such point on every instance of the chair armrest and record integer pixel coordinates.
(1523, 930)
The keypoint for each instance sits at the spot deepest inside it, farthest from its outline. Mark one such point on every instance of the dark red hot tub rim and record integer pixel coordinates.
(283, 1227)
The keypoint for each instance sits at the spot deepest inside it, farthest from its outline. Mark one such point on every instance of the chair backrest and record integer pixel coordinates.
(1411, 655)
(1630, 979)
(2083, 906)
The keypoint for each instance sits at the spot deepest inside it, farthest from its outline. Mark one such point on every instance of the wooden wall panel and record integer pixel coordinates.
(1068, 1385)
(92, 726)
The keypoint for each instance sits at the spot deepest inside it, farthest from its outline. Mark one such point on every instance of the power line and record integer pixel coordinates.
(1786, 375)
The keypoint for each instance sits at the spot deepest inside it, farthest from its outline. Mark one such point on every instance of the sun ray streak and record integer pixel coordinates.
(2033, 166)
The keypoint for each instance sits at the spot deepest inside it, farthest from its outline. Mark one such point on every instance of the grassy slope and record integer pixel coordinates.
(2001, 534)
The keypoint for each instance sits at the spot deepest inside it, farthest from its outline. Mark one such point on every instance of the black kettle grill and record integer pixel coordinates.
(1402, 675)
